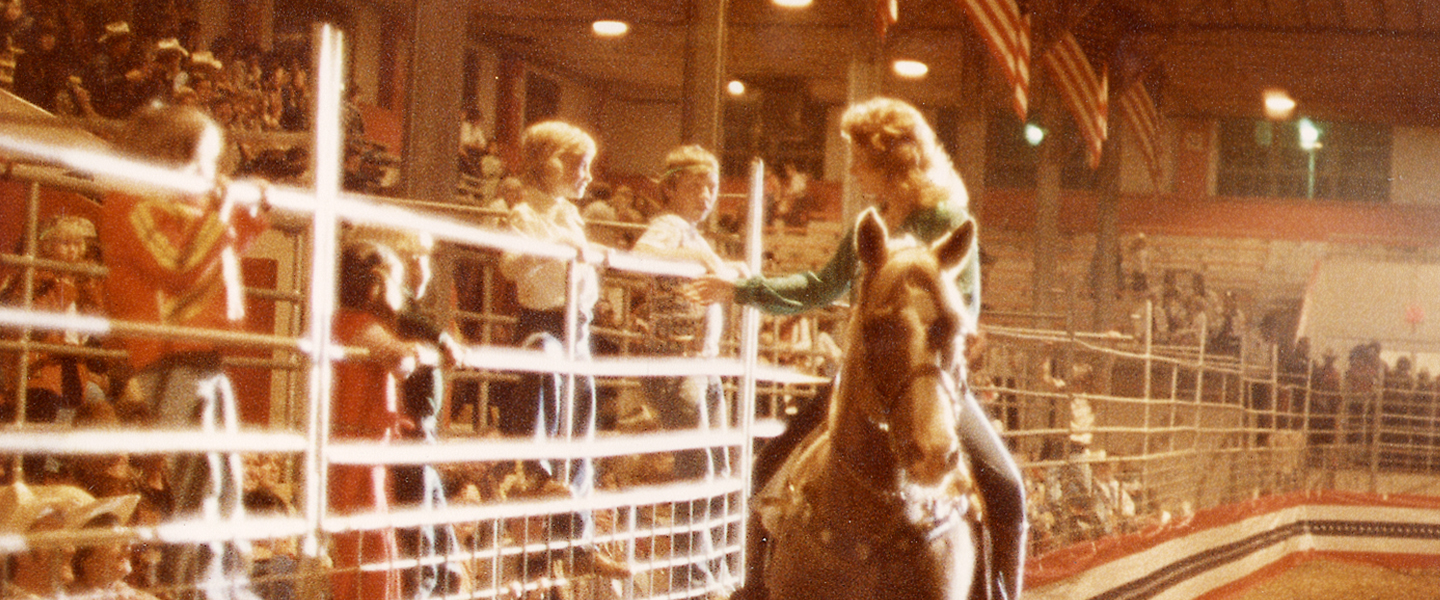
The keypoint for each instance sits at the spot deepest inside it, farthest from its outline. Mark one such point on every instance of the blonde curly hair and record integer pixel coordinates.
(893, 138)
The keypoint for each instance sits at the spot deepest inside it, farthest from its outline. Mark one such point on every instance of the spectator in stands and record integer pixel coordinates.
(164, 76)
(174, 261)
(366, 406)
(555, 160)
(74, 100)
(600, 216)
(41, 72)
(1325, 402)
(108, 78)
(277, 562)
(15, 26)
(46, 572)
(1225, 338)
(473, 142)
(101, 568)
(203, 71)
(509, 192)
(900, 166)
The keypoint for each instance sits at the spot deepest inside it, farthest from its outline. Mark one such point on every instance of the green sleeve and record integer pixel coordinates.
(797, 293)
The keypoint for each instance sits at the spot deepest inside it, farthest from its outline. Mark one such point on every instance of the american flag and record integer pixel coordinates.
(1138, 110)
(1087, 94)
(887, 13)
(1007, 32)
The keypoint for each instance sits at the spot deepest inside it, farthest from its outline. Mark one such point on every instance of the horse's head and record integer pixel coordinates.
(909, 325)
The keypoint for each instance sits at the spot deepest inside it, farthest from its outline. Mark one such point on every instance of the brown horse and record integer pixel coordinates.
(879, 502)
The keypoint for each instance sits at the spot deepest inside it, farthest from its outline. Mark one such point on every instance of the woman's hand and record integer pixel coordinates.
(710, 289)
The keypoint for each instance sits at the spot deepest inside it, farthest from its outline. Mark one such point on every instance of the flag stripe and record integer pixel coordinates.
(1139, 111)
(1007, 33)
(1086, 94)
(887, 13)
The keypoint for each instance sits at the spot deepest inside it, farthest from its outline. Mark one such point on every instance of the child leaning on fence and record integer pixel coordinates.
(366, 406)
(174, 261)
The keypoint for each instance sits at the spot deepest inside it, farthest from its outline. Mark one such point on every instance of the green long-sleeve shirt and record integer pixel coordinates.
(791, 294)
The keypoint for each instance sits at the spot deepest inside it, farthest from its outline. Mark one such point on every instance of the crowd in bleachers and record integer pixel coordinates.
(105, 60)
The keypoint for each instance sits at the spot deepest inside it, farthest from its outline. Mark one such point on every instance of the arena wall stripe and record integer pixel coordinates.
(1220, 550)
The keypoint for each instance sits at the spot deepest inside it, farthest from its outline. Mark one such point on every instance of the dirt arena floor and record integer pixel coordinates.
(1331, 580)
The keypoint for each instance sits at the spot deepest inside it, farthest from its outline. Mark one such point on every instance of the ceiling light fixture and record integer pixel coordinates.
(735, 87)
(610, 28)
(1278, 104)
(792, 3)
(910, 69)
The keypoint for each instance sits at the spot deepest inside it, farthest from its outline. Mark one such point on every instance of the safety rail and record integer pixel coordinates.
(649, 526)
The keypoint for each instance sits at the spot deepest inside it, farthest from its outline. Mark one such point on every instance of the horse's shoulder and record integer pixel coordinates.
(785, 490)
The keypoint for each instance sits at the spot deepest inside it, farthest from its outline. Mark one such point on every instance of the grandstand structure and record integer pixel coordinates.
(1154, 470)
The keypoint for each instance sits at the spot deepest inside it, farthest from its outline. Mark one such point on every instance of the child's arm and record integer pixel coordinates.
(398, 356)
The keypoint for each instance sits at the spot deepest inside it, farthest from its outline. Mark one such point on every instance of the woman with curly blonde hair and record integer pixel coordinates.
(899, 166)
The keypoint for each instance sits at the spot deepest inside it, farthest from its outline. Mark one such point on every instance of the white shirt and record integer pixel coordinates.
(672, 232)
(540, 283)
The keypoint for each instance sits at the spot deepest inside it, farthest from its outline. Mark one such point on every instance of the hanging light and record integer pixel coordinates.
(1309, 134)
(1034, 134)
(910, 69)
(735, 87)
(605, 28)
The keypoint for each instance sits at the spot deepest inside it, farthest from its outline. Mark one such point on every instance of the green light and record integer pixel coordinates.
(1309, 134)
(1034, 134)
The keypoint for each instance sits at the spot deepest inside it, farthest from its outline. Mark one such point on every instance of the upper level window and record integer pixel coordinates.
(1304, 159)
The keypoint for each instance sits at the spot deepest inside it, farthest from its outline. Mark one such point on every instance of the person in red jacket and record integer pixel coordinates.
(366, 406)
(174, 261)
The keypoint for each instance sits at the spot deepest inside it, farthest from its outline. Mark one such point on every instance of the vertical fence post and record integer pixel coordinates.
(22, 371)
(330, 73)
(749, 349)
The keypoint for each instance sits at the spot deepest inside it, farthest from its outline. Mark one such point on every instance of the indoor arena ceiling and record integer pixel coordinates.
(1364, 60)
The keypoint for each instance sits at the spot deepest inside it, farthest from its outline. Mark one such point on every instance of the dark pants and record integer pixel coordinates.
(193, 391)
(539, 406)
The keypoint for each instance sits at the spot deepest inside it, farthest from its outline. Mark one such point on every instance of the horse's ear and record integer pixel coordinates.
(953, 248)
(870, 239)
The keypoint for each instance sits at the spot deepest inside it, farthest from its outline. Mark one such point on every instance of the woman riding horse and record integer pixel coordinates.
(897, 163)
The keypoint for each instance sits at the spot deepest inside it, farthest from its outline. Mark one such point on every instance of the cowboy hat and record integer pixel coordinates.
(117, 29)
(22, 506)
(170, 45)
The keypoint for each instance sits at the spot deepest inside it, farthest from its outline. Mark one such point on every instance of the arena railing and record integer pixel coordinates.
(307, 436)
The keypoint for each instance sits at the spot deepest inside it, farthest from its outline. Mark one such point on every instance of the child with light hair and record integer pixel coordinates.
(555, 168)
(58, 383)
